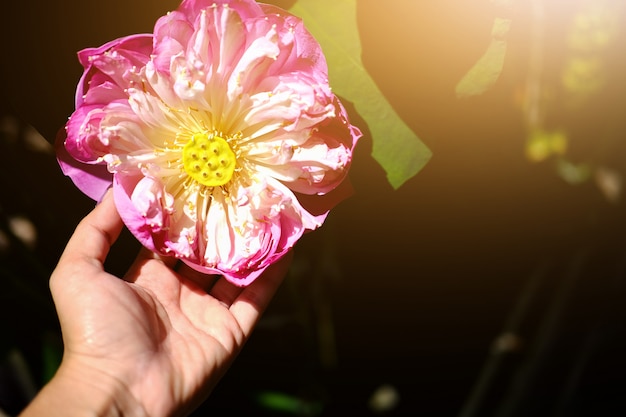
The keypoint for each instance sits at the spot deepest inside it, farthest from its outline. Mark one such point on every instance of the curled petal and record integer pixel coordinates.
(244, 8)
(93, 180)
(113, 62)
(152, 202)
(300, 52)
(132, 216)
(84, 141)
(327, 155)
(171, 35)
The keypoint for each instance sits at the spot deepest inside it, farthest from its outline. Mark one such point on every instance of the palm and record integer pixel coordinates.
(171, 334)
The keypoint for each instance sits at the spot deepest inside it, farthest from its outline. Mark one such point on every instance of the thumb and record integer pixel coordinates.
(94, 235)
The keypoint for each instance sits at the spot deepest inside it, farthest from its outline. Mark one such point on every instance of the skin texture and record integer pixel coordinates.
(154, 343)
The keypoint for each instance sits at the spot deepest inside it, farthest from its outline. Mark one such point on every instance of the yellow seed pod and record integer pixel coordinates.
(209, 160)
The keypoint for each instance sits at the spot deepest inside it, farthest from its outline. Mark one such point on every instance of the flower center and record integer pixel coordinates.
(209, 160)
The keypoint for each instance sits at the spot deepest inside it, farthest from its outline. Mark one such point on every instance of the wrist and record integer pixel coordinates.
(80, 390)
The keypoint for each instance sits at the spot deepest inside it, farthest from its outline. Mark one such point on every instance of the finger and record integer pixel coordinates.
(254, 299)
(204, 281)
(146, 254)
(147, 257)
(225, 291)
(95, 234)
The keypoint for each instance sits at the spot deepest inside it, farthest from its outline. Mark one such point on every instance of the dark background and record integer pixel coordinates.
(487, 285)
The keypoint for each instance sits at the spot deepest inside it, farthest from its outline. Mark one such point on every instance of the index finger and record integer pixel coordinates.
(254, 299)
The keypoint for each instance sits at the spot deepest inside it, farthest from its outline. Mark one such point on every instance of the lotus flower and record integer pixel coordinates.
(213, 132)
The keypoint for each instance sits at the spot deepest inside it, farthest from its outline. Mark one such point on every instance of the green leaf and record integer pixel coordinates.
(484, 74)
(278, 401)
(395, 146)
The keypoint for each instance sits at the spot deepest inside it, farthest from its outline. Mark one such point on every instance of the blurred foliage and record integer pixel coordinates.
(590, 39)
(484, 74)
(542, 145)
(282, 402)
(593, 31)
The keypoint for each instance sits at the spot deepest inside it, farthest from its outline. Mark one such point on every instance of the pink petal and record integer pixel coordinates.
(92, 180)
(133, 218)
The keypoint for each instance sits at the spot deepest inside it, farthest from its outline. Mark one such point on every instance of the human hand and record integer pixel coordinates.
(153, 343)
